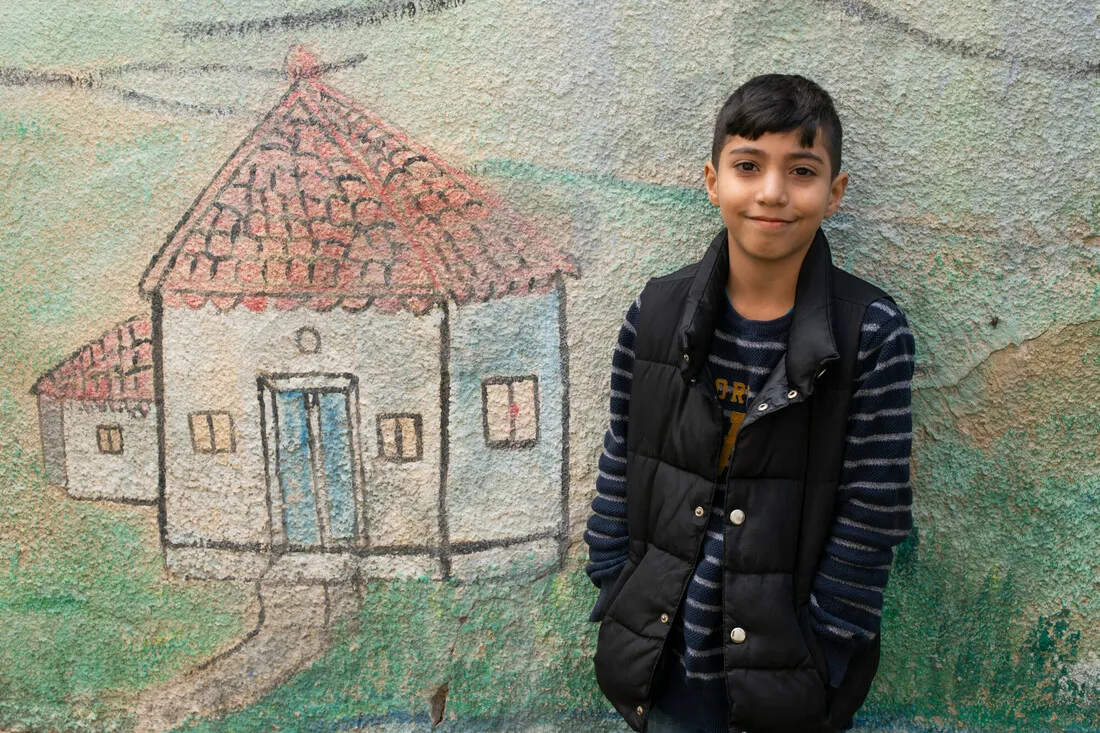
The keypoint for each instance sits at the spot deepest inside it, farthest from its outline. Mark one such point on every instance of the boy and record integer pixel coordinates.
(755, 475)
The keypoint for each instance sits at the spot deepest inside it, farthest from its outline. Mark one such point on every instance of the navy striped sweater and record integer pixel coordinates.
(874, 500)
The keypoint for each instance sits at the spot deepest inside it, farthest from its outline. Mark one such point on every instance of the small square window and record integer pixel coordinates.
(510, 411)
(400, 437)
(212, 432)
(109, 438)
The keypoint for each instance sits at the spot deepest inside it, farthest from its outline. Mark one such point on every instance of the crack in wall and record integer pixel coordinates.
(1049, 330)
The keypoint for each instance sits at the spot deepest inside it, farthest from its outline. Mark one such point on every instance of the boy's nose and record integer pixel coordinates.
(772, 191)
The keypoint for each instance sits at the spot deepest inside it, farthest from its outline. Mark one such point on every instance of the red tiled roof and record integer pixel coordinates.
(326, 204)
(116, 368)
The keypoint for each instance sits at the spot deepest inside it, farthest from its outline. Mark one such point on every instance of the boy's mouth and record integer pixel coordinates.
(769, 222)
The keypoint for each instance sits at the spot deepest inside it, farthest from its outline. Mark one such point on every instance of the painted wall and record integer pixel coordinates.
(519, 487)
(223, 496)
(970, 136)
(91, 473)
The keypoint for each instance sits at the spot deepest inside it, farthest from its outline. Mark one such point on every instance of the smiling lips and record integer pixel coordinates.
(767, 223)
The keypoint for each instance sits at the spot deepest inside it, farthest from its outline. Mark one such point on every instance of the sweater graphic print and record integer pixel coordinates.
(874, 499)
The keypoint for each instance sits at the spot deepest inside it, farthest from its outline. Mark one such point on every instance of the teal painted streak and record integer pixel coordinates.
(638, 191)
(18, 127)
(63, 603)
(295, 473)
(336, 455)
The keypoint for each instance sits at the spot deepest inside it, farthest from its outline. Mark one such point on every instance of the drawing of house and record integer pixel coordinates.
(357, 363)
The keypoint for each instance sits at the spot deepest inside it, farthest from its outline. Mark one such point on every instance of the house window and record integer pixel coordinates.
(510, 411)
(109, 438)
(399, 437)
(212, 432)
(308, 340)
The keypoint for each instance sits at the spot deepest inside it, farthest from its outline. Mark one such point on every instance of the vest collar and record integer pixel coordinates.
(810, 343)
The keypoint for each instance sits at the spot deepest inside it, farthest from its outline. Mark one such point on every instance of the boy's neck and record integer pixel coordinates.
(762, 290)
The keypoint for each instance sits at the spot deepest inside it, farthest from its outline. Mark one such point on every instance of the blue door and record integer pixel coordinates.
(315, 468)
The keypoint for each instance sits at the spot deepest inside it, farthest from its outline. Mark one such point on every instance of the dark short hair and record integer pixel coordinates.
(779, 103)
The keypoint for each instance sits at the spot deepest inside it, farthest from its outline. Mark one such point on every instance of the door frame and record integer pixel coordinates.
(269, 385)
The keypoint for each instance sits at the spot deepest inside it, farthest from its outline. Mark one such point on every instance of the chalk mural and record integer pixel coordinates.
(345, 333)
(306, 322)
(334, 275)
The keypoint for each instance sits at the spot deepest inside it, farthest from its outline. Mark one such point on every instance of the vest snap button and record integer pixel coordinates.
(699, 511)
(792, 394)
(687, 358)
(664, 618)
(737, 516)
(737, 635)
(639, 710)
(763, 406)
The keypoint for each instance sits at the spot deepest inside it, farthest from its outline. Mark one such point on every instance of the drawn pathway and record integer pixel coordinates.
(293, 629)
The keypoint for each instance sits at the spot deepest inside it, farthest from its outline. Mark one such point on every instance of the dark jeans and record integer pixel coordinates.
(682, 706)
(662, 722)
(688, 706)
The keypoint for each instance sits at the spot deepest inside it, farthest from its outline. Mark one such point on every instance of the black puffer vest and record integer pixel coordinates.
(783, 477)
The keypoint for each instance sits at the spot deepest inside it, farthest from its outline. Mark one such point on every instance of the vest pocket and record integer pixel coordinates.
(624, 665)
(808, 635)
(616, 589)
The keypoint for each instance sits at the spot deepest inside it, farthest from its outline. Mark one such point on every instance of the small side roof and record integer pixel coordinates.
(116, 369)
(326, 204)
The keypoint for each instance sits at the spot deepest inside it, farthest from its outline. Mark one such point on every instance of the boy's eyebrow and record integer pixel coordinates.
(803, 154)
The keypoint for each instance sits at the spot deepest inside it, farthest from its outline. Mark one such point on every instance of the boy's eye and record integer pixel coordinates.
(744, 165)
(803, 171)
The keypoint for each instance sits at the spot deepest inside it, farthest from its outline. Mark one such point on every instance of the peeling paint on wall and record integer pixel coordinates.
(271, 491)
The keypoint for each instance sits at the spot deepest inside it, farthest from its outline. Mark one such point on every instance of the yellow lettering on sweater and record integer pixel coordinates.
(734, 393)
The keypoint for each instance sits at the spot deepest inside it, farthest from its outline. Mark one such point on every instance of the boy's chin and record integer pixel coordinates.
(771, 247)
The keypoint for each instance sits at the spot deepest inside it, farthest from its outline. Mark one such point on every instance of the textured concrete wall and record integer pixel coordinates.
(971, 140)
(130, 474)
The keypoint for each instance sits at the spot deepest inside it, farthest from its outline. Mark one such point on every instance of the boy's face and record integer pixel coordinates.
(773, 193)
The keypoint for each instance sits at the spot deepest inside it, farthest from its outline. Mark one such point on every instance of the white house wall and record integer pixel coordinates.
(399, 360)
(130, 475)
(504, 493)
(211, 362)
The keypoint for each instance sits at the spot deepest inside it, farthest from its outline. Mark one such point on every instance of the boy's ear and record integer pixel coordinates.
(836, 193)
(711, 177)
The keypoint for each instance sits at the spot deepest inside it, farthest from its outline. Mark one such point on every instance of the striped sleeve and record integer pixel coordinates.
(874, 496)
(606, 530)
